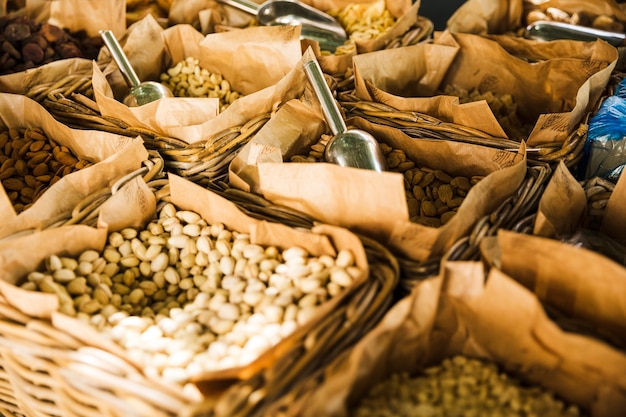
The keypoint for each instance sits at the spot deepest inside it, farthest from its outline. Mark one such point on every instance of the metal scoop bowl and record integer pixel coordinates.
(316, 25)
(139, 93)
(348, 147)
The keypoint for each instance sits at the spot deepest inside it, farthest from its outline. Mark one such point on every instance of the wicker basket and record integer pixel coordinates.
(420, 125)
(258, 395)
(47, 372)
(71, 101)
(421, 31)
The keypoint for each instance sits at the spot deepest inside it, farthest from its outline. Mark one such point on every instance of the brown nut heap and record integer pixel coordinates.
(30, 163)
(26, 44)
(433, 196)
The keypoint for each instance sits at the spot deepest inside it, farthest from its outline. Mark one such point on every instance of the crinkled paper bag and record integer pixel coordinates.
(614, 220)
(375, 203)
(294, 127)
(75, 15)
(503, 173)
(579, 283)
(487, 16)
(501, 16)
(505, 323)
(561, 206)
(24, 254)
(498, 321)
(404, 11)
(24, 81)
(553, 84)
(113, 157)
(410, 79)
(195, 119)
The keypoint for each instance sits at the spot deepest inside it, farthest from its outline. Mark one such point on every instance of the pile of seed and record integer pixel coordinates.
(27, 44)
(186, 297)
(188, 79)
(460, 387)
(30, 163)
(433, 196)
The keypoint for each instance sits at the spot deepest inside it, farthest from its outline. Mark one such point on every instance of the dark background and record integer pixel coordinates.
(439, 11)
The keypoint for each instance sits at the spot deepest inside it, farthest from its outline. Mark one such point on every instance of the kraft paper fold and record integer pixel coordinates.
(113, 156)
(579, 283)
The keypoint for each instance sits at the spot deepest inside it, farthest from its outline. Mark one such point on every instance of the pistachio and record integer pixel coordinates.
(169, 311)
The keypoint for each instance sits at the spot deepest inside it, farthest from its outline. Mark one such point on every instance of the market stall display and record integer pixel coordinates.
(202, 255)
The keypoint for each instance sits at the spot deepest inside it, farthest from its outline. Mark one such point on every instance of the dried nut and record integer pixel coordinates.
(503, 107)
(362, 22)
(26, 171)
(239, 302)
(27, 43)
(460, 386)
(188, 79)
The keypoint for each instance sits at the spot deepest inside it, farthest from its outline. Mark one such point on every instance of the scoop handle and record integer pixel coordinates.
(129, 74)
(243, 5)
(331, 111)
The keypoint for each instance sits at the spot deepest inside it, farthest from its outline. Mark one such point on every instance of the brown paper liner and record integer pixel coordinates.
(458, 312)
(75, 15)
(322, 239)
(579, 283)
(576, 73)
(113, 156)
(196, 119)
(562, 205)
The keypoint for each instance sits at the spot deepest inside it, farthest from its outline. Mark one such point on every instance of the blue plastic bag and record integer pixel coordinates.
(606, 138)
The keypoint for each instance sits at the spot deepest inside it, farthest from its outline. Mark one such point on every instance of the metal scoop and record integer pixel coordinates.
(348, 147)
(550, 31)
(316, 25)
(140, 93)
